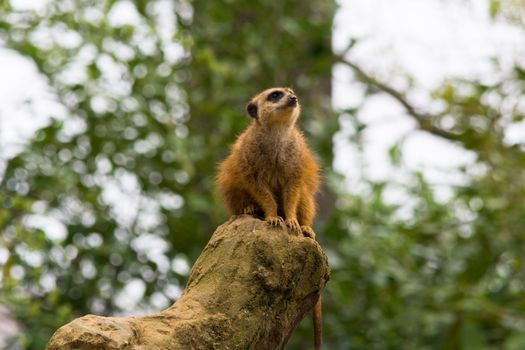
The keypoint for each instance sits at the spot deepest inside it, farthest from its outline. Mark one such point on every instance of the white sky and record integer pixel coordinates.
(431, 40)
(21, 83)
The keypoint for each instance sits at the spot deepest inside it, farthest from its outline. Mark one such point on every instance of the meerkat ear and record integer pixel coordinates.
(251, 108)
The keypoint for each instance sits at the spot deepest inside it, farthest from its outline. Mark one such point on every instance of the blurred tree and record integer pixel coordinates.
(153, 92)
(450, 276)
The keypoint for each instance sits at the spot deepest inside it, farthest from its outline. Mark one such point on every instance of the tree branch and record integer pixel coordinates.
(424, 120)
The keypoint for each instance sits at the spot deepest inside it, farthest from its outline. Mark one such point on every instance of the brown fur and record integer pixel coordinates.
(271, 172)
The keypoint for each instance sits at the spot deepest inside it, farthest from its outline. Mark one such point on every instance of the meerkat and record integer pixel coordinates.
(271, 172)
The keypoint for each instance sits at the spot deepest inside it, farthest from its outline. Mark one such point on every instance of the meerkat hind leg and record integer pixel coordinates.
(275, 221)
(308, 231)
(293, 227)
(250, 210)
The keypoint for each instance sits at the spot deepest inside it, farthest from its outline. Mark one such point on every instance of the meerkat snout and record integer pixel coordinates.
(292, 101)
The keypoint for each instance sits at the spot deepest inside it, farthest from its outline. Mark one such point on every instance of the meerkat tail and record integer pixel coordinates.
(318, 324)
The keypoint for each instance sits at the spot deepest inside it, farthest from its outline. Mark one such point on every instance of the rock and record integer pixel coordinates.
(249, 289)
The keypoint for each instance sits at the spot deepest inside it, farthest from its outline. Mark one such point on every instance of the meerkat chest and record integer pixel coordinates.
(277, 162)
(279, 152)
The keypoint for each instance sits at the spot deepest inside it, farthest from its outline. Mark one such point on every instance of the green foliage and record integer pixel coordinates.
(450, 275)
(447, 275)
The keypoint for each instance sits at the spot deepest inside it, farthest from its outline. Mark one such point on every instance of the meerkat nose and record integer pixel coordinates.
(292, 101)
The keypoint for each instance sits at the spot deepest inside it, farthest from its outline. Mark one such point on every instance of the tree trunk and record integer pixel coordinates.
(249, 289)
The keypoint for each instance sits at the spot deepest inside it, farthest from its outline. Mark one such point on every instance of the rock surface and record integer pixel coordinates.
(249, 289)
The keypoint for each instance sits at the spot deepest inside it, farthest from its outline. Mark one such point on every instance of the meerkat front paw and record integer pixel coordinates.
(250, 210)
(308, 232)
(275, 221)
(293, 226)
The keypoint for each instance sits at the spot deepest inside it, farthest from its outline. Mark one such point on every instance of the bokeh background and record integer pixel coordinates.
(114, 114)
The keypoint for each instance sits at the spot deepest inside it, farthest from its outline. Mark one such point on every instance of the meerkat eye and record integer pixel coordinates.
(275, 96)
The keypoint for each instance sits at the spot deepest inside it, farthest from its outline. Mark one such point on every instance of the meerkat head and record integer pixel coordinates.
(274, 106)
